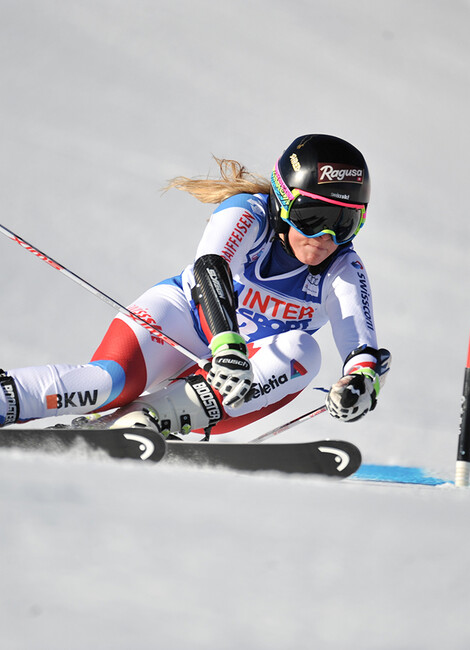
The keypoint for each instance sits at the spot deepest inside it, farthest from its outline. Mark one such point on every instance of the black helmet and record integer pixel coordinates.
(320, 184)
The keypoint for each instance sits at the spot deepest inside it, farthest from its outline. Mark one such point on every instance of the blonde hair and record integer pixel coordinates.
(234, 179)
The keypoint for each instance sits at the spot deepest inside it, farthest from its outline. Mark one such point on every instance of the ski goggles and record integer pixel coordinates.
(313, 215)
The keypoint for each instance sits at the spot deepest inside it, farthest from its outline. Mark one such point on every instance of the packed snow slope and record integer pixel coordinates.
(102, 102)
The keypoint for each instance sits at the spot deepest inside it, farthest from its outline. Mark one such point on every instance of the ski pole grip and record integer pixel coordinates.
(205, 365)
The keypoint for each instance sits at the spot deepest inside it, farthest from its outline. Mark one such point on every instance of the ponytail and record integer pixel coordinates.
(234, 179)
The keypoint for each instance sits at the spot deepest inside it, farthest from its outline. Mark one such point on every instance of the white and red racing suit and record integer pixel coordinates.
(281, 304)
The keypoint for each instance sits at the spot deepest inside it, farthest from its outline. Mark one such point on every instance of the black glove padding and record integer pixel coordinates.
(351, 397)
(231, 375)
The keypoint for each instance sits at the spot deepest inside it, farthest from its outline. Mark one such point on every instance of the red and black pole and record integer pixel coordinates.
(462, 466)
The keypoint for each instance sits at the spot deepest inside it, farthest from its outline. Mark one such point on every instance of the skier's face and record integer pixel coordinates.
(311, 250)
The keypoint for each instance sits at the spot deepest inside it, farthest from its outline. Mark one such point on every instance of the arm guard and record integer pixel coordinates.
(214, 294)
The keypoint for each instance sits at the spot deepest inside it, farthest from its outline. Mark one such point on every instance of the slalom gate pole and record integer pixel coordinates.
(462, 465)
(284, 427)
(202, 363)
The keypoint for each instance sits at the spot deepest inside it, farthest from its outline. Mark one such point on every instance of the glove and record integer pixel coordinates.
(352, 397)
(231, 373)
(355, 394)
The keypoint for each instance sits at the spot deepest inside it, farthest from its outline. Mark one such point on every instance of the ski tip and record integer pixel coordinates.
(137, 444)
(338, 457)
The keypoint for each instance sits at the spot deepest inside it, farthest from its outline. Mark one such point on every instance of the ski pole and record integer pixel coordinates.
(202, 363)
(462, 464)
(284, 427)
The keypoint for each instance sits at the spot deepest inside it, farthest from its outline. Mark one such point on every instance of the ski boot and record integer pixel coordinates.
(183, 406)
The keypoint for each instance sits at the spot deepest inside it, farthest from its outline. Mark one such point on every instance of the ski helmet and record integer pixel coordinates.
(320, 185)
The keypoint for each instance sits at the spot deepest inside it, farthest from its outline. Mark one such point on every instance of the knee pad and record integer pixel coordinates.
(281, 352)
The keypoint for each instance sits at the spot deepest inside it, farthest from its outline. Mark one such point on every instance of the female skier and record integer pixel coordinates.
(275, 263)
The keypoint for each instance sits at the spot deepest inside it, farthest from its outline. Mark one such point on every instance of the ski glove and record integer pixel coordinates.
(231, 373)
(355, 394)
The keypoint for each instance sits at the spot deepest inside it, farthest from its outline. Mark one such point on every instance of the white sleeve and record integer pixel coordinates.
(233, 230)
(349, 305)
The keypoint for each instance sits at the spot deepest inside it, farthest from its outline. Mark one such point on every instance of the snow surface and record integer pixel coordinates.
(101, 103)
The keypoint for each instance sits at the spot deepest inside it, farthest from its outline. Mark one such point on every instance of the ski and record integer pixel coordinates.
(325, 457)
(135, 443)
